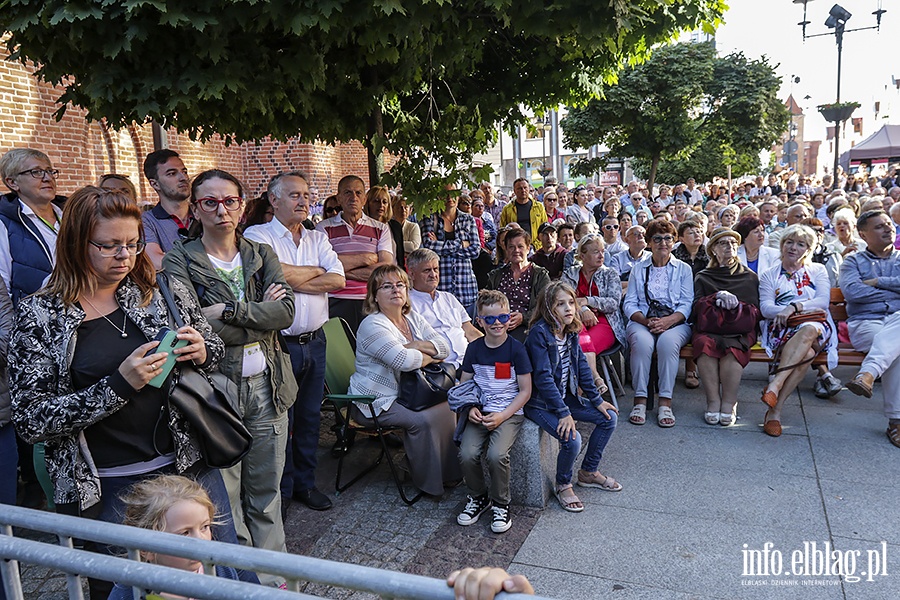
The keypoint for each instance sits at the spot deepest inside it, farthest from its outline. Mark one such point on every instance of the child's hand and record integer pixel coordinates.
(493, 420)
(475, 415)
(566, 428)
(605, 407)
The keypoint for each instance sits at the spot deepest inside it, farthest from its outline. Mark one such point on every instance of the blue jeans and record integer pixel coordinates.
(308, 363)
(569, 449)
(9, 461)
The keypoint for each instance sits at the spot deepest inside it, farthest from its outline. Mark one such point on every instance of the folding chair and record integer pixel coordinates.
(340, 364)
(605, 360)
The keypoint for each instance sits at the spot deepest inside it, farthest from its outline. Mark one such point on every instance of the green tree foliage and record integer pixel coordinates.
(427, 80)
(684, 113)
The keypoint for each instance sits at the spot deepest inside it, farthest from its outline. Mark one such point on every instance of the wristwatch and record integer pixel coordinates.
(228, 311)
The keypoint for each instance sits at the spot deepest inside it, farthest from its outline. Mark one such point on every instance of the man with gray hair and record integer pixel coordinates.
(29, 221)
(441, 309)
(312, 268)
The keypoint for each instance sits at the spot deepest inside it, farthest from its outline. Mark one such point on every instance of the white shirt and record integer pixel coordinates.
(314, 250)
(47, 234)
(446, 315)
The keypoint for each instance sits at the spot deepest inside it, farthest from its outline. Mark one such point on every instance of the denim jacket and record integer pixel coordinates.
(548, 391)
(867, 301)
(680, 295)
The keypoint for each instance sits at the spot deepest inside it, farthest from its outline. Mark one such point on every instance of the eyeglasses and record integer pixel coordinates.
(113, 250)
(39, 173)
(610, 227)
(659, 239)
(331, 210)
(491, 319)
(819, 230)
(211, 205)
(390, 287)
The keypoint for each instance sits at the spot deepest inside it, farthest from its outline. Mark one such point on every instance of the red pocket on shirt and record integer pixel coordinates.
(502, 370)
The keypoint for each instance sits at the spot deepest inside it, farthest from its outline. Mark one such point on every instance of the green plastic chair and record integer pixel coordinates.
(340, 364)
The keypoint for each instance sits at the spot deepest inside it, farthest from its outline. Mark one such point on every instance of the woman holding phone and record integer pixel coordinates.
(103, 427)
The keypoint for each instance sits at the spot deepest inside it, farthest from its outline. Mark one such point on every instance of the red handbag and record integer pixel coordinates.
(717, 320)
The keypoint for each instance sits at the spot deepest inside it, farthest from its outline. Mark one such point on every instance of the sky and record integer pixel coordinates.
(769, 27)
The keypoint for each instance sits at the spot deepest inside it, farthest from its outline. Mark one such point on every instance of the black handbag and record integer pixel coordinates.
(426, 386)
(655, 308)
(208, 402)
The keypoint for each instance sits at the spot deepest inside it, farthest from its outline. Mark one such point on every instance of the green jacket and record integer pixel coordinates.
(254, 320)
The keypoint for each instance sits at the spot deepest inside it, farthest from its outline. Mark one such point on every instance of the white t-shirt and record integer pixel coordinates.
(232, 273)
(446, 315)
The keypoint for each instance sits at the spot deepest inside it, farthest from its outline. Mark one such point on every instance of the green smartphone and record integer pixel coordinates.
(167, 343)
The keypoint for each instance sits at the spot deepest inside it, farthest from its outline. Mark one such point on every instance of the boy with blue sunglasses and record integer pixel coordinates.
(502, 370)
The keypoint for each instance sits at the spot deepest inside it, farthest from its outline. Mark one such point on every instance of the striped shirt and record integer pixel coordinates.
(495, 371)
(369, 236)
(563, 346)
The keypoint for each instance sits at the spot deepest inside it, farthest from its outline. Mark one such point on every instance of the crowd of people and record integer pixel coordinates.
(517, 298)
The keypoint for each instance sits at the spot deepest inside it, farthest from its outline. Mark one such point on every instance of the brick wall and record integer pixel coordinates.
(83, 151)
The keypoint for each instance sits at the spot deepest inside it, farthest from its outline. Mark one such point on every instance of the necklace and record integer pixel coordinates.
(405, 329)
(121, 330)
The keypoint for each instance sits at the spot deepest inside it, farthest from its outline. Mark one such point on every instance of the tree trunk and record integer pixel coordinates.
(376, 161)
(653, 166)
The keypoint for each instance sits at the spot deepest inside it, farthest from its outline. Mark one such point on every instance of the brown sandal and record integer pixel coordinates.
(893, 433)
(571, 502)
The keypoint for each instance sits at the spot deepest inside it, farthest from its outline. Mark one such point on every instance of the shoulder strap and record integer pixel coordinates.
(163, 281)
(646, 283)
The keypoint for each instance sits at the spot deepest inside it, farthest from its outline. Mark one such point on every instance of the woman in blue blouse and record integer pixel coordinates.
(657, 306)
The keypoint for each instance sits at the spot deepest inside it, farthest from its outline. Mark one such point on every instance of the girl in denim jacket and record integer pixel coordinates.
(560, 369)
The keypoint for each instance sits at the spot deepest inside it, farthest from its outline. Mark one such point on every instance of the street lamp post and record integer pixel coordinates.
(545, 125)
(837, 20)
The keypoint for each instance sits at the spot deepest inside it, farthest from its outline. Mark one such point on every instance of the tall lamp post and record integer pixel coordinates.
(545, 125)
(837, 112)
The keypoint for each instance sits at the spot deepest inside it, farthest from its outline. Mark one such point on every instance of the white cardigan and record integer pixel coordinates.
(381, 357)
(768, 258)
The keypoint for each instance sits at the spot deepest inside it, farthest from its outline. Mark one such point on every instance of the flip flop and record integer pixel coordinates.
(570, 504)
(665, 413)
(607, 484)
(601, 385)
(638, 415)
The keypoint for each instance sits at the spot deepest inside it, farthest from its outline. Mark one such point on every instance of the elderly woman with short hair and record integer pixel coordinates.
(392, 339)
(599, 292)
(728, 215)
(657, 306)
(848, 240)
(753, 253)
(796, 286)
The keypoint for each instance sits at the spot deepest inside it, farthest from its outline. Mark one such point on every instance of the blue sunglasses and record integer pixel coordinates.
(491, 319)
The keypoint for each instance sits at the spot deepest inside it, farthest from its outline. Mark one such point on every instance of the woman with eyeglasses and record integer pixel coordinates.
(391, 340)
(657, 305)
(244, 295)
(599, 292)
(80, 359)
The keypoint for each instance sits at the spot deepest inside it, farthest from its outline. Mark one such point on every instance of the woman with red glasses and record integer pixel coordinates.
(243, 294)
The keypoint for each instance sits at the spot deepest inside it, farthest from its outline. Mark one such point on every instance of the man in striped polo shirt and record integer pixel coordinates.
(361, 243)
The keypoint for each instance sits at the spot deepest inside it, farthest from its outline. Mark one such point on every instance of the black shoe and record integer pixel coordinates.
(343, 443)
(313, 499)
(475, 507)
(501, 521)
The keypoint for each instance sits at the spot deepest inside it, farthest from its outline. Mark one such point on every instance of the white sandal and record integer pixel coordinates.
(664, 413)
(638, 415)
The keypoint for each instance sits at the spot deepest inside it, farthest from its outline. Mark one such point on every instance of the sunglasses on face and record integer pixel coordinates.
(491, 319)
(610, 227)
(331, 210)
(659, 239)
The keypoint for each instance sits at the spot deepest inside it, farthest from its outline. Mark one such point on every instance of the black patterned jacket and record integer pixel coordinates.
(46, 408)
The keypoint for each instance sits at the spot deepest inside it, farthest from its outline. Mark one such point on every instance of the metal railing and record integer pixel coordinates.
(130, 571)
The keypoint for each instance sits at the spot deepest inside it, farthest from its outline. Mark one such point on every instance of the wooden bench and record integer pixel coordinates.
(847, 356)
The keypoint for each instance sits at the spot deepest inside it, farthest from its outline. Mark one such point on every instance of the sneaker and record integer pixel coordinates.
(501, 521)
(475, 507)
(819, 388)
(832, 384)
